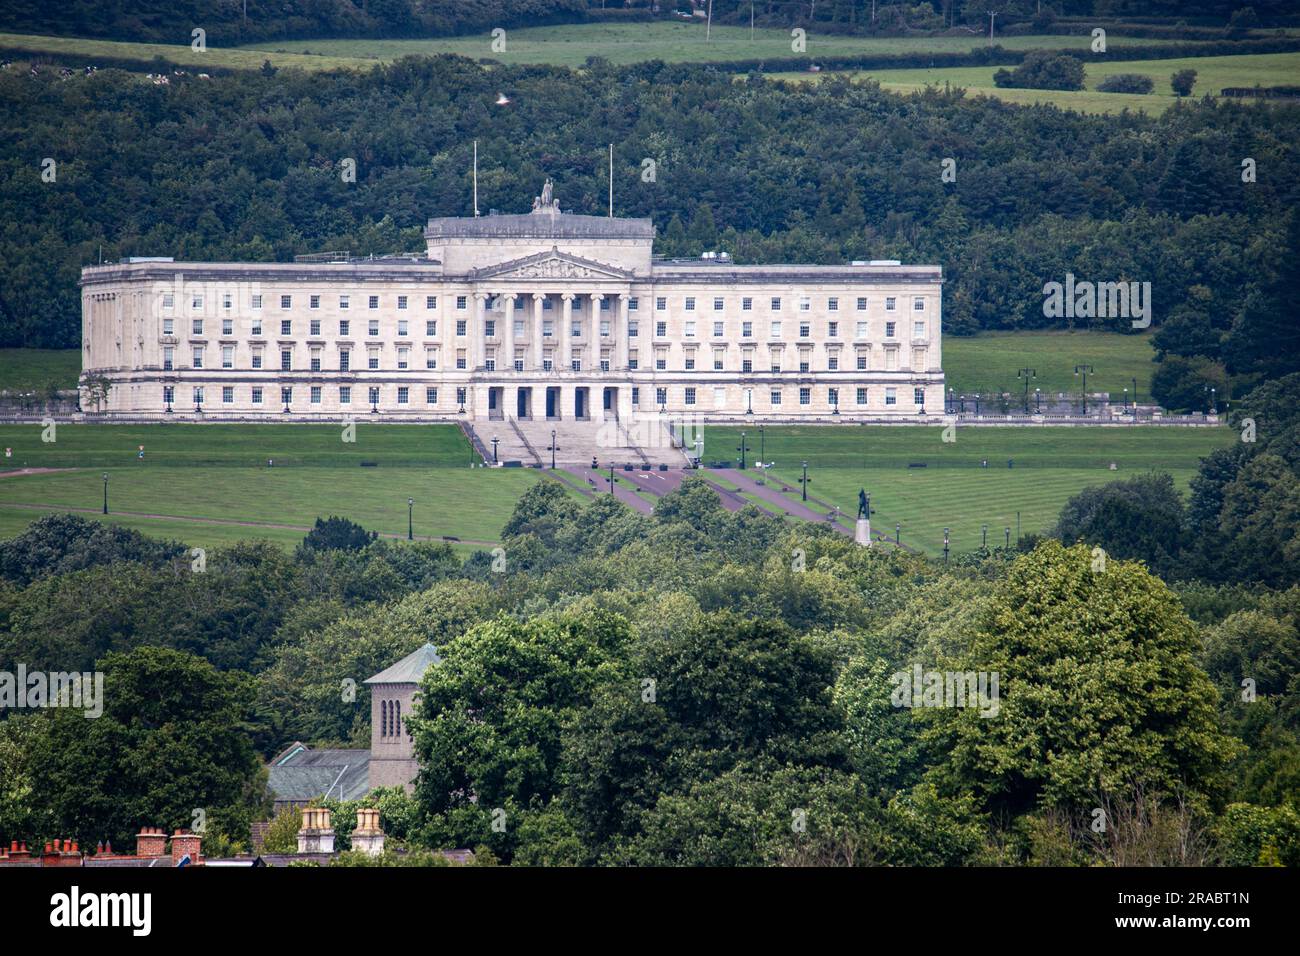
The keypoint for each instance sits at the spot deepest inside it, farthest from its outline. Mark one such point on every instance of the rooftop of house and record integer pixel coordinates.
(300, 773)
(410, 669)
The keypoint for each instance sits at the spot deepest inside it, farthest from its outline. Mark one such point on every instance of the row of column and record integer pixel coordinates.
(561, 329)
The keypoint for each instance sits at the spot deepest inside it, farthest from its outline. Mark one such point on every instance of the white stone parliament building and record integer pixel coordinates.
(544, 316)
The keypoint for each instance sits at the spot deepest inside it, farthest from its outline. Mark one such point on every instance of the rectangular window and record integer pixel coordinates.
(862, 303)
(431, 396)
(286, 301)
(257, 358)
(169, 394)
(257, 396)
(690, 362)
(861, 330)
(286, 395)
(196, 302)
(286, 327)
(168, 358)
(315, 360)
(918, 396)
(198, 356)
(460, 359)
(918, 330)
(401, 304)
(225, 301)
(690, 396)
(776, 304)
(403, 395)
(345, 394)
(227, 327)
(460, 326)
(631, 329)
(747, 365)
(805, 396)
(805, 303)
(198, 395)
(862, 361)
(891, 396)
(918, 305)
(431, 327)
(636, 395)
(313, 327)
(747, 304)
(373, 302)
(345, 327)
(403, 358)
(196, 327)
(372, 361)
(286, 360)
(832, 304)
(889, 329)
(717, 305)
(257, 327)
(805, 330)
(169, 300)
(373, 393)
(661, 396)
(315, 394)
(718, 330)
(890, 303)
(431, 358)
(862, 396)
(169, 325)
(661, 329)
(460, 302)
(402, 327)
(344, 302)
(345, 360)
(661, 363)
(775, 396)
(372, 327)
(257, 301)
(832, 330)
(313, 302)
(227, 394)
(632, 304)
(227, 356)
(690, 330)
(746, 330)
(833, 397)
(431, 302)
(661, 304)
(833, 363)
(776, 329)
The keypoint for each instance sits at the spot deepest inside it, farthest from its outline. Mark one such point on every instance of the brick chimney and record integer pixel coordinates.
(151, 841)
(185, 843)
(368, 838)
(316, 835)
(18, 852)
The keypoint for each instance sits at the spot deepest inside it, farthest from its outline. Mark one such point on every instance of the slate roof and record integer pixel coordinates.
(409, 669)
(301, 773)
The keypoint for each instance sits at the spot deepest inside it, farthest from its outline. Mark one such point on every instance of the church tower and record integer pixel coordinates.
(392, 701)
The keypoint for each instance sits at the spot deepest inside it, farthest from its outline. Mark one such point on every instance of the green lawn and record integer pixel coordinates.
(571, 45)
(34, 370)
(954, 491)
(1213, 73)
(247, 446)
(568, 45)
(988, 363)
(218, 473)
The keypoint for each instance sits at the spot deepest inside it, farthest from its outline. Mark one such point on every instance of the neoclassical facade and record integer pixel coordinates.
(542, 315)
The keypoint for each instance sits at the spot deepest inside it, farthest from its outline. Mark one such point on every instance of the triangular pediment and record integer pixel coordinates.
(552, 265)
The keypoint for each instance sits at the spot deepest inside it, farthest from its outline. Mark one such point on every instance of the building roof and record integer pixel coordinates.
(301, 773)
(409, 669)
(545, 224)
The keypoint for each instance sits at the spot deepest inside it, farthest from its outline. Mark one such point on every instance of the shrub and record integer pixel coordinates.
(1126, 83)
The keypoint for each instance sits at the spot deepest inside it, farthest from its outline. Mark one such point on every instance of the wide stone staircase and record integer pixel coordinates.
(637, 442)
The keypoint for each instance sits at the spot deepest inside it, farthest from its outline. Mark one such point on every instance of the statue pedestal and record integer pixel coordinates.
(862, 533)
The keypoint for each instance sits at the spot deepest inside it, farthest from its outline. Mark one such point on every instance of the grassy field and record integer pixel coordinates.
(987, 363)
(1213, 73)
(26, 370)
(198, 483)
(558, 45)
(953, 490)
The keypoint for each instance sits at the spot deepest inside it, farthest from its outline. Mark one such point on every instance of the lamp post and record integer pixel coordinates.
(1038, 401)
(1026, 374)
(835, 403)
(1084, 369)
(945, 545)
(410, 519)
(977, 404)
(1007, 529)
(749, 401)
(699, 450)
(1135, 398)
(804, 481)
(1125, 399)
(168, 395)
(898, 535)
(105, 492)
(984, 536)
(949, 408)
(494, 449)
(742, 448)
(611, 478)
(762, 444)
(552, 449)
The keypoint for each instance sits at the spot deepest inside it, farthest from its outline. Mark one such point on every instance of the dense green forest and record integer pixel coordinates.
(246, 167)
(684, 687)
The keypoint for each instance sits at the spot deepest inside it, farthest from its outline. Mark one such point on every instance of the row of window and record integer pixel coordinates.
(689, 328)
(689, 303)
(198, 354)
(690, 395)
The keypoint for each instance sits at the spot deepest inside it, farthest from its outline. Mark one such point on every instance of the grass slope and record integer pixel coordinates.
(987, 363)
(33, 370)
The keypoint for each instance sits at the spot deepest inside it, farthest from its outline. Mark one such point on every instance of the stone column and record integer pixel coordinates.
(539, 299)
(621, 340)
(508, 340)
(592, 349)
(564, 340)
(478, 334)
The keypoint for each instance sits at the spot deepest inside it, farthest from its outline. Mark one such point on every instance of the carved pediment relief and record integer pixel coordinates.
(552, 265)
